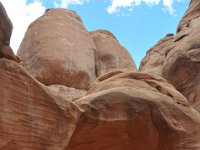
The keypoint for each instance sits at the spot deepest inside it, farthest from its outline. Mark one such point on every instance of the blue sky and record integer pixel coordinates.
(137, 24)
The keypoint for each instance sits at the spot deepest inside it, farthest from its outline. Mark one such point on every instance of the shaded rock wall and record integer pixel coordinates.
(181, 63)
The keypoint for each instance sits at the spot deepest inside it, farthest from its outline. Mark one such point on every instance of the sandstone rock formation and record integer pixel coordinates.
(132, 110)
(181, 63)
(192, 13)
(5, 34)
(109, 54)
(67, 55)
(31, 118)
(48, 101)
(122, 110)
(66, 93)
(57, 49)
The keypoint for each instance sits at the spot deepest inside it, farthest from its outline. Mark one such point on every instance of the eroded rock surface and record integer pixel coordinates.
(182, 65)
(129, 110)
(178, 58)
(121, 110)
(67, 93)
(31, 118)
(191, 14)
(109, 54)
(57, 49)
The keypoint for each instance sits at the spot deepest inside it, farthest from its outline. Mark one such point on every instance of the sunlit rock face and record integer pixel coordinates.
(57, 49)
(80, 90)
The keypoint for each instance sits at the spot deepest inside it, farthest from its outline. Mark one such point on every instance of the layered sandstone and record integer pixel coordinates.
(31, 117)
(123, 109)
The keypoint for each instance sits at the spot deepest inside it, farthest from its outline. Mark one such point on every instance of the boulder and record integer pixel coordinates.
(130, 110)
(57, 49)
(109, 54)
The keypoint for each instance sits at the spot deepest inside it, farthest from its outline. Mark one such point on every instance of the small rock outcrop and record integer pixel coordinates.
(155, 57)
(109, 54)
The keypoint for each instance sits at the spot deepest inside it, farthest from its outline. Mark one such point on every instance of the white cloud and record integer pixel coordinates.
(21, 15)
(65, 3)
(117, 4)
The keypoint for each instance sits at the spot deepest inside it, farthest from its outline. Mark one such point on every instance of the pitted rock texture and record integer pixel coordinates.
(155, 57)
(57, 49)
(109, 54)
(129, 110)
